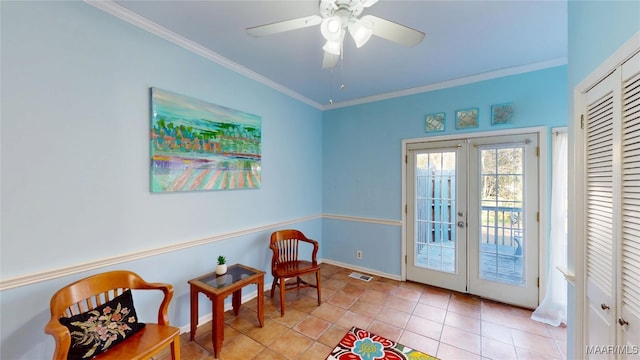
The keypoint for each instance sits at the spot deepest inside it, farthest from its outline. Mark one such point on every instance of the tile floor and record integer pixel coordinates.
(446, 324)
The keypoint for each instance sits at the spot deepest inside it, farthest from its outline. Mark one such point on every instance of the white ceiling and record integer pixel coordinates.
(463, 39)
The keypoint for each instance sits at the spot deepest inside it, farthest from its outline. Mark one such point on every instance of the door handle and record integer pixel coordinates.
(460, 224)
(604, 306)
(622, 321)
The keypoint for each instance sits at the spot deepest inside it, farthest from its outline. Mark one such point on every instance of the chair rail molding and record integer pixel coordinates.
(28, 279)
(363, 219)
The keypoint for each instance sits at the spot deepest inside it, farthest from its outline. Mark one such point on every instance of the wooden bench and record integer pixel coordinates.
(92, 292)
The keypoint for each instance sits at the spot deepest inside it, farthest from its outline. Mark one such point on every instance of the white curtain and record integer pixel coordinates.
(553, 308)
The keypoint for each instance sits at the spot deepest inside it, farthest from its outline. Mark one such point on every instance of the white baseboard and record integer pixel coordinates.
(363, 270)
(252, 295)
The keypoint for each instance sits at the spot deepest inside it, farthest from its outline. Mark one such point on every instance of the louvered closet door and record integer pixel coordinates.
(630, 242)
(600, 191)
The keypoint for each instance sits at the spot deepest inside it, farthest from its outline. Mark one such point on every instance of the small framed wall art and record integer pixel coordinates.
(501, 114)
(435, 122)
(467, 118)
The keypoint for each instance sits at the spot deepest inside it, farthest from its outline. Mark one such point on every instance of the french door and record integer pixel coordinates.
(472, 208)
(436, 214)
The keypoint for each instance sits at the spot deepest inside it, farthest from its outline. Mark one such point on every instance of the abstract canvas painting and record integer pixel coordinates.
(197, 145)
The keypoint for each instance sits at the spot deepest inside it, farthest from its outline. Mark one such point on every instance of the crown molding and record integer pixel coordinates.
(452, 83)
(132, 18)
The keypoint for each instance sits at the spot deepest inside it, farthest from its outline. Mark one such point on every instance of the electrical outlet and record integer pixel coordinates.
(359, 254)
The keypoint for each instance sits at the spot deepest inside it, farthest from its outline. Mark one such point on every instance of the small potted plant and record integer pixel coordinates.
(222, 265)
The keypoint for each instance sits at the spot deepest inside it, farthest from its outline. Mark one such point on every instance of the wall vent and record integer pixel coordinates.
(359, 276)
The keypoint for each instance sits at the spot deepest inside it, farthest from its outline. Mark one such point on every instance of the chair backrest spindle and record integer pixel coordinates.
(87, 294)
(285, 245)
(286, 264)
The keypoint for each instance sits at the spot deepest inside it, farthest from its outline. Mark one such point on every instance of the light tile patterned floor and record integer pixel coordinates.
(446, 324)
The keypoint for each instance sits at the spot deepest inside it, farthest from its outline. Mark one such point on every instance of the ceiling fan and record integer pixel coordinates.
(337, 17)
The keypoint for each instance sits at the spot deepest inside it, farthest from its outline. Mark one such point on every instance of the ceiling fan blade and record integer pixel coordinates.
(330, 60)
(368, 3)
(395, 32)
(282, 26)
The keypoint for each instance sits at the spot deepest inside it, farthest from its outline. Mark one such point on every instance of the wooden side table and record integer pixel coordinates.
(217, 288)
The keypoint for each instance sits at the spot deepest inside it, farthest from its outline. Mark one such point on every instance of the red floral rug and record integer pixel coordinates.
(358, 344)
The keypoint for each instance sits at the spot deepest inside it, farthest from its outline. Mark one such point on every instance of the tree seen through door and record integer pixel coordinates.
(502, 232)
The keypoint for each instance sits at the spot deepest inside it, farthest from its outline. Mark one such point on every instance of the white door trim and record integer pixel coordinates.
(576, 261)
(542, 173)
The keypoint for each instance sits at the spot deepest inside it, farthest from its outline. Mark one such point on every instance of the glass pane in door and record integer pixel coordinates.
(435, 204)
(501, 255)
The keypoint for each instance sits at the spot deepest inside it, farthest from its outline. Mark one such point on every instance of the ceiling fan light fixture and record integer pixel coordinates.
(332, 47)
(361, 31)
(331, 28)
(336, 18)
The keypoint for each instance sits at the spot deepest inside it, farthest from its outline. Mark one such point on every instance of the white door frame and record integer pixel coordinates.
(542, 175)
(576, 262)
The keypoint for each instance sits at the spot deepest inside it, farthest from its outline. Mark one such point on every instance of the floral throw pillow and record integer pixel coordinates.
(93, 332)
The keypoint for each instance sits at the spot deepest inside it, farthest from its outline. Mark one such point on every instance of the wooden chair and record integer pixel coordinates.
(88, 293)
(286, 265)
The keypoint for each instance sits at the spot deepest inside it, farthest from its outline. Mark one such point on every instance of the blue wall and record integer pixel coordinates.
(596, 30)
(75, 164)
(362, 165)
(75, 140)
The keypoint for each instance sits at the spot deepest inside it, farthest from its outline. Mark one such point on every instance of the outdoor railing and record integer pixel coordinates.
(500, 225)
(436, 218)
